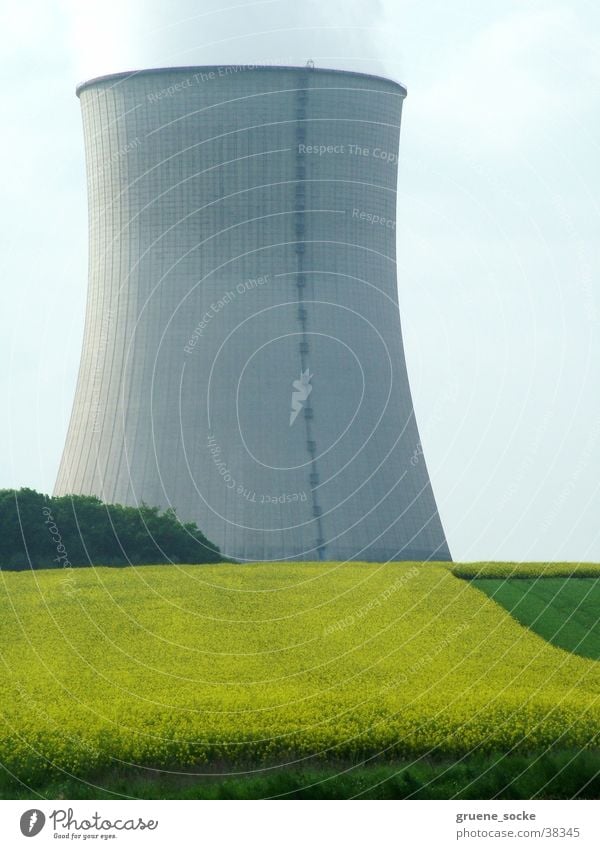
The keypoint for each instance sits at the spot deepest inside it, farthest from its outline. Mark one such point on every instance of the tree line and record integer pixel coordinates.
(42, 531)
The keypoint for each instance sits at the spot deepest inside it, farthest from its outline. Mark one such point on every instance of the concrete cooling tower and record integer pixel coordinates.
(242, 357)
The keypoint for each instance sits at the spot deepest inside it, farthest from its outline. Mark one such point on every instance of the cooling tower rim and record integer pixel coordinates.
(124, 75)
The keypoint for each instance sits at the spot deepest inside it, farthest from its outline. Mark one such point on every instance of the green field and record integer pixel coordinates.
(321, 668)
(564, 611)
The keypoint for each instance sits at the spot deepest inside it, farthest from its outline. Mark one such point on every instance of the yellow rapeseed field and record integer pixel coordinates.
(180, 666)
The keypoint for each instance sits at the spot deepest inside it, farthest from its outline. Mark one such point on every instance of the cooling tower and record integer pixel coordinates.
(242, 357)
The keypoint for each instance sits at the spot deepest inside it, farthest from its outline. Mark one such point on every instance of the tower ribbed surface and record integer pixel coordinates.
(242, 357)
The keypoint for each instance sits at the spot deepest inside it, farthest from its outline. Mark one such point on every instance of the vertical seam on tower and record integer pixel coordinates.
(302, 311)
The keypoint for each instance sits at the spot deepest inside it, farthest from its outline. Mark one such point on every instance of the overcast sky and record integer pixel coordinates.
(498, 231)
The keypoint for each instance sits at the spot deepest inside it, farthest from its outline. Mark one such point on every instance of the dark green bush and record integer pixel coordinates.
(39, 531)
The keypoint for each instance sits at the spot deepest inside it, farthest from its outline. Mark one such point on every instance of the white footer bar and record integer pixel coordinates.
(300, 824)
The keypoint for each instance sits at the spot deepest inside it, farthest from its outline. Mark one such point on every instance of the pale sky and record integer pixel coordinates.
(498, 231)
